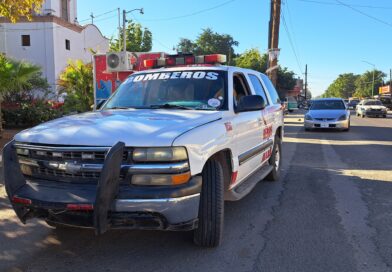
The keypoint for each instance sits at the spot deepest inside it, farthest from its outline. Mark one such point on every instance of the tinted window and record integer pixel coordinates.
(258, 87)
(204, 90)
(271, 89)
(328, 105)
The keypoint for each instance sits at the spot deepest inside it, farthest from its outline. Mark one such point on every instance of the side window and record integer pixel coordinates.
(271, 89)
(240, 88)
(258, 87)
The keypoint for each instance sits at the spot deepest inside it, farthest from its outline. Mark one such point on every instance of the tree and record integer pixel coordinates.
(14, 9)
(138, 39)
(77, 82)
(364, 83)
(210, 42)
(343, 86)
(252, 59)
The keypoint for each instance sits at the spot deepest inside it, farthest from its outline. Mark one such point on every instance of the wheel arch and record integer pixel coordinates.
(225, 157)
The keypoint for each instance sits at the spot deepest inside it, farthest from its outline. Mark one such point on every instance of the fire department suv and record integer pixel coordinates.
(162, 153)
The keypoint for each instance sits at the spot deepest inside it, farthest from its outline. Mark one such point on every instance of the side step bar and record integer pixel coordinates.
(247, 186)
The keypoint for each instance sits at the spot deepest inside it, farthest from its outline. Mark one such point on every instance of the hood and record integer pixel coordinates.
(106, 128)
(326, 113)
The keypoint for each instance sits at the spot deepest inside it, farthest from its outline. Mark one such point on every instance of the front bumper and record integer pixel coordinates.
(313, 124)
(132, 207)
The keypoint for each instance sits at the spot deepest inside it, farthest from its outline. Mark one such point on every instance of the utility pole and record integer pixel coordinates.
(119, 28)
(390, 81)
(124, 30)
(306, 81)
(373, 83)
(92, 18)
(273, 46)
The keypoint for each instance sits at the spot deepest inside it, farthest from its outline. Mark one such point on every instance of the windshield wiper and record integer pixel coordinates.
(118, 108)
(170, 106)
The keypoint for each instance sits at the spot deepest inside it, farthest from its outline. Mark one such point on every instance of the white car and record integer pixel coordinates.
(371, 107)
(164, 152)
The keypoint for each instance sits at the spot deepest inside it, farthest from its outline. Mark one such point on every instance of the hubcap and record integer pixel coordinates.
(277, 157)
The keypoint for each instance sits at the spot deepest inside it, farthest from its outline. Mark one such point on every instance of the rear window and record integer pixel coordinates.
(200, 90)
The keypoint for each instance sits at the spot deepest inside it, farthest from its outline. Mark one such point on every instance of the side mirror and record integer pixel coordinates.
(250, 103)
(100, 104)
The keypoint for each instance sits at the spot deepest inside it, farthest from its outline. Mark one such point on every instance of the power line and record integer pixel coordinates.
(364, 14)
(99, 15)
(291, 43)
(190, 14)
(339, 4)
(293, 32)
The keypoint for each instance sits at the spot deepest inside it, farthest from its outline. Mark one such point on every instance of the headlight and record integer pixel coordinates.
(159, 154)
(342, 118)
(308, 117)
(22, 151)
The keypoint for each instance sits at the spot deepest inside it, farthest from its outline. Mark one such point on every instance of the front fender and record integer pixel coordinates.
(203, 142)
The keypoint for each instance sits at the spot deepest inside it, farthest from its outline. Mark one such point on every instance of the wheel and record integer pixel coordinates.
(275, 160)
(211, 207)
(291, 110)
(363, 115)
(384, 116)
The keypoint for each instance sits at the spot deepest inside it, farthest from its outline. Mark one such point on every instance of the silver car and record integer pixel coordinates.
(328, 113)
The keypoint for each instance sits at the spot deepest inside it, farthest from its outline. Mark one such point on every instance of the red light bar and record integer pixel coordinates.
(215, 58)
(150, 63)
(20, 200)
(188, 59)
(80, 207)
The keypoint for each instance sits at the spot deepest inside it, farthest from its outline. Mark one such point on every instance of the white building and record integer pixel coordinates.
(52, 38)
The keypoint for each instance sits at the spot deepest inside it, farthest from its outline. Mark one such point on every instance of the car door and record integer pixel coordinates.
(248, 130)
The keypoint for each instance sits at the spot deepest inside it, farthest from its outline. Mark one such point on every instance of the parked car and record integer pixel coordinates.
(292, 104)
(327, 113)
(371, 107)
(352, 104)
(163, 153)
(386, 101)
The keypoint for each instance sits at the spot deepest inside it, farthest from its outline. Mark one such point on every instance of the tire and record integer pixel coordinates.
(363, 115)
(384, 116)
(276, 151)
(211, 207)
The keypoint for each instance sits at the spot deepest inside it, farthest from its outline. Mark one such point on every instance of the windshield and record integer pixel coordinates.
(200, 90)
(327, 105)
(373, 103)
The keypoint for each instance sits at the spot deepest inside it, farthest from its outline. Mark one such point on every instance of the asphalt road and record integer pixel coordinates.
(331, 211)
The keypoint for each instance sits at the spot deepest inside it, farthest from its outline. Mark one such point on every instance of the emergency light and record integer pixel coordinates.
(189, 59)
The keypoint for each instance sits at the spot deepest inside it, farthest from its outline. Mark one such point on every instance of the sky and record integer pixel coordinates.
(330, 36)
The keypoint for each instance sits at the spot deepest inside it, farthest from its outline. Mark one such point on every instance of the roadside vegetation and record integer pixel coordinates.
(352, 85)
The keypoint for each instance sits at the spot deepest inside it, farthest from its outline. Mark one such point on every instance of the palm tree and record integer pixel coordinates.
(14, 77)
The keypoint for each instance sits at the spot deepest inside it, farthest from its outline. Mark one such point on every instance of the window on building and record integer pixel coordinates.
(25, 40)
(67, 45)
(65, 10)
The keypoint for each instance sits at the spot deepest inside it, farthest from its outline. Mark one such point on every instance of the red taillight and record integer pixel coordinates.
(150, 63)
(80, 207)
(21, 200)
(215, 58)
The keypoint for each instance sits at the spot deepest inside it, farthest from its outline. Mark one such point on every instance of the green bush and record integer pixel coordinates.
(29, 114)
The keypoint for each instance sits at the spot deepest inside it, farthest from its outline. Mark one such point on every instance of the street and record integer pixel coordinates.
(330, 211)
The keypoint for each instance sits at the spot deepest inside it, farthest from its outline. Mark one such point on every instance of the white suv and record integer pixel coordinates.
(164, 152)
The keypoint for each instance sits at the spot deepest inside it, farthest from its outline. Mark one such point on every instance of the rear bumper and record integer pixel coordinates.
(327, 125)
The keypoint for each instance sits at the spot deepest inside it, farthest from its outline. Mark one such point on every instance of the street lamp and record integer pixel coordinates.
(374, 69)
(124, 22)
